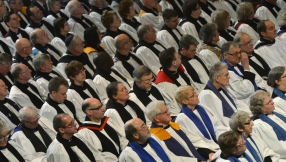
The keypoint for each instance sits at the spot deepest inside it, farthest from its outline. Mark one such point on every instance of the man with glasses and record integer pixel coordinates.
(105, 134)
(5, 67)
(244, 80)
(35, 133)
(255, 60)
(182, 142)
(144, 91)
(69, 146)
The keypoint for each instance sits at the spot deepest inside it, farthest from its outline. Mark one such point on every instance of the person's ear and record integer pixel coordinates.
(263, 34)
(183, 51)
(240, 129)
(184, 101)
(277, 82)
(136, 136)
(61, 130)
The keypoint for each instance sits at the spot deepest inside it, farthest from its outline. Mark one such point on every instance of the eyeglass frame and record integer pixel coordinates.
(247, 43)
(236, 54)
(34, 122)
(143, 128)
(6, 136)
(98, 108)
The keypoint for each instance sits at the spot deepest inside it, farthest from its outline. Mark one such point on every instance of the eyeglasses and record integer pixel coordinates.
(28, 46)
(34, 122)
(5, 136)
(143, 128)
(25, 71)
(247, 43)
(248, 123)
(164, 113)
(193, 95)
(235, 54)
(148, 80)
(99, 107)
(71, 124)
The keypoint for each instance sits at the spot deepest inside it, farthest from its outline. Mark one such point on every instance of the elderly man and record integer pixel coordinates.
(125, 61)
(244, 80)
(78, 21)
(16, 6)
(270, 47)
(220, 98)
(143, 147)
(180, 141)
(151, 13)
(68, 146)
(14, 32)
(148, 49)
(25, 91)
(40, 40)
(24, 50)
(35, 133)
(5, 66)
(195, 66)
(171, 33)
(75, 47)
(56, 101)
(255, 60)
(144, 91)
(106, 135)
(36, 21)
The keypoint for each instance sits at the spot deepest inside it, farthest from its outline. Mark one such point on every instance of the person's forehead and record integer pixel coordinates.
(1, 82)
(95, 103)
(13, 16)
(66, 119)
(269, 24)
(244, 38)
(34, 9)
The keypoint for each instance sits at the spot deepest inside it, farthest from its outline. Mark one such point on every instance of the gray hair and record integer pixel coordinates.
(129, 131)
(39, 60)
(4, 127)
(26, 112)
(143, 30)
(244, 10)
(73, 42)
(16, 70)
(281, 18)
(216, 70)
(140, 71)
(207, 32)
(70, 7)
(237, 37)
(5, 58)
(237, 120)
(34, 36)
(226, 47)
(186, 41)
(153, 108)
(275, 74)
(257, 102)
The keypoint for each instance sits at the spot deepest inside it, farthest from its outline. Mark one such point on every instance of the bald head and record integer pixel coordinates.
(90, 103)
(27, 112)
(93, 108)
(132, 132)
(120, 40)
(21, 43)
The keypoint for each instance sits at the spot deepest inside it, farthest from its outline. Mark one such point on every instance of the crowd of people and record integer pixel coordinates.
(128, 81)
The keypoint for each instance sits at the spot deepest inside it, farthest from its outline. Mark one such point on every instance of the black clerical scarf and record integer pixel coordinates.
(43, 8)
(2, 28)
(176, 7)
(83, 58)
(107, 76)
(43, 22)
(100, 10)
(142, 95)
(23, 22)
(36, 142)
(165, 27)
(191, 70)
(13, 151)
(263, 72)
(6, 81)
(252, 23)
(264, 42)
(20, 59)
(147, 10)
(271, 8)
(44, 49)
(68, 104)
(38, 102)
(123, 113)
(174, 75)
(106, 143)
(84, 22)
(14, 36)
(46, 76)
(80, 90)
(195, 22)
(133, 23)
(150, 46)
(124, 60)
(74, 141)
(61, 15)
(113, 34)
(9, 114)
(227, 35)
(63, 38)
(5, 47)
(205, 8)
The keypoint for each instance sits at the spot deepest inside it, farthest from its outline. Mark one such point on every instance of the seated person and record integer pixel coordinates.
(57, 102)
(61, 148)
(256, 148)
(127, 12)
(35, 133)
(181, 142)
(56, 11)
(104, 133)
(18, 7)
(3, 26)
(151, 13)
(5, 66)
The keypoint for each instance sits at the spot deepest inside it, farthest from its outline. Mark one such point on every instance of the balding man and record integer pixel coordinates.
(5, 67)
(148, 49)
(125, 61)
(75, 47)
(40, 40)
(78, 21)
(35, 133)
(24, 50)
(105, 134)
(25, 91)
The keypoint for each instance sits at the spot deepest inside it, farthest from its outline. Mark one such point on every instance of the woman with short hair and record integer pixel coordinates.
(56, 11)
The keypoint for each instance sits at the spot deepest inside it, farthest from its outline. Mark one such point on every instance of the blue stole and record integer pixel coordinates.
(231, 68)
(280, 132)
(279, 93)
(251, 149)
(227, 110)
(199, 124)
(144, 155)
(235, 159)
